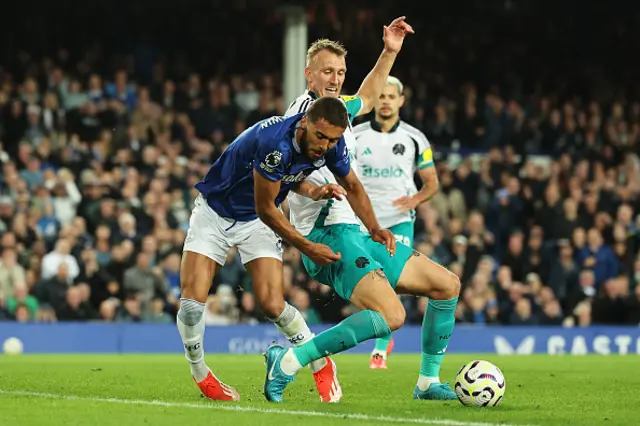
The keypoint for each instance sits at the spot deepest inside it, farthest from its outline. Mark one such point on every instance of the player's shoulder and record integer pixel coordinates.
(362, 127)
(300, 104)
(276, 130)
(411, 129)
(413, 132)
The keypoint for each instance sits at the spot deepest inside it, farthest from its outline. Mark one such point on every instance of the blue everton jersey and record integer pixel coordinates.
(269, 147)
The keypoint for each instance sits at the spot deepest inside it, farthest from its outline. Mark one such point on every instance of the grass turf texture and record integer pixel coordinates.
(158, 390)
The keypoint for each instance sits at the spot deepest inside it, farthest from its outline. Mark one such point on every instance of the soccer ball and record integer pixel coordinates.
(480, 383)
(12, 346)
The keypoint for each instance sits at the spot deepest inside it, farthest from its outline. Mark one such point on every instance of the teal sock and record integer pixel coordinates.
(361, 326)
(437, 326)
(382, 343)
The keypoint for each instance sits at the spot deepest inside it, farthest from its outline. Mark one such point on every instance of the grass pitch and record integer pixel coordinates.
(127, 390)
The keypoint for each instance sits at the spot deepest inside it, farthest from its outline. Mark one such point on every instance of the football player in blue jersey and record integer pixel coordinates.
(238, 205)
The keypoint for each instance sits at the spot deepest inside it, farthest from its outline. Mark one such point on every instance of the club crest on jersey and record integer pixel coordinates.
(273, 159)
(398, 149)
(319, 163)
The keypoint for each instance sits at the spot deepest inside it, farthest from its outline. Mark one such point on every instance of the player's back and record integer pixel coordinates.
(228, 186)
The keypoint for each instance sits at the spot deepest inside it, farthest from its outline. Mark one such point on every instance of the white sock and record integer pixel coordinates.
(295, 329)
(193, 337)
(424, 382)
(290, 364)
(383, 354)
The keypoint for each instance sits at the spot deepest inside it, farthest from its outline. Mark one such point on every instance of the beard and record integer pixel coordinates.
(386, 115)
(304, 144)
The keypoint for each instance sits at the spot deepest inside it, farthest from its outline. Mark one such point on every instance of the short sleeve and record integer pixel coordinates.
(353, 104)
(424, 157)
(338, 159)
(270, 160)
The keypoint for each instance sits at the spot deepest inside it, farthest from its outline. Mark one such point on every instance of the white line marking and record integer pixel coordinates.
(239, 408)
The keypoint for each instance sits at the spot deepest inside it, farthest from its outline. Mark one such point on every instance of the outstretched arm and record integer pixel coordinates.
(372, 85)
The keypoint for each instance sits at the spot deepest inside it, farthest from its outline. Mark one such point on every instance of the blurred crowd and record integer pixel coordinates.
(101, 144)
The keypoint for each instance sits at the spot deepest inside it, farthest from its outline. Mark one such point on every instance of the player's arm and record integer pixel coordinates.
(359, 200)
(428, 175)
(265, 192)
(373, 83)
(430, 185)
(340, 165)
(316, 193)
(361, 205)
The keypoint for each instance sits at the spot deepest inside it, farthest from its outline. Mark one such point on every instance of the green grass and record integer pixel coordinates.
(541, 390)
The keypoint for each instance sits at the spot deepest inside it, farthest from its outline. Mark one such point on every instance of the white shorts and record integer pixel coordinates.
(213, 236)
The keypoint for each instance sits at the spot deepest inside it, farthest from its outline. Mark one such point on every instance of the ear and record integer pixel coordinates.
(303, 121)
(401, 101)
(307, 74)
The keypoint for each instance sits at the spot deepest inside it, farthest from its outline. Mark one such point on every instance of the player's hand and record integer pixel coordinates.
(328, 191)
(322, 255)
(405, 204)
(394, 34)
(386, 237)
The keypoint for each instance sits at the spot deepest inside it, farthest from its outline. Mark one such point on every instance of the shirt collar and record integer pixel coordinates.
(378, 128)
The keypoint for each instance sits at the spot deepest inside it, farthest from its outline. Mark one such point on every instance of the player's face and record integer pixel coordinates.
(389, 102)
(319, 137)
(325, 74)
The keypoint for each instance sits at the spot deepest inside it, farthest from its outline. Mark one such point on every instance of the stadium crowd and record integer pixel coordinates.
(538, 211)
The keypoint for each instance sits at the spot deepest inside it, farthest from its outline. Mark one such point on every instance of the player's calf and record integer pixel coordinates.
(268, 287)
(196, 274)
(422, 277)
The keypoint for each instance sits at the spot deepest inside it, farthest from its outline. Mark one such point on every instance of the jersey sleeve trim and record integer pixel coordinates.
(425, 159)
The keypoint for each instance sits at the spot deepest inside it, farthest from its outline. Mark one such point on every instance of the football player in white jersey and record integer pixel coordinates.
(368, 273)
(325, 73)
(390, 152)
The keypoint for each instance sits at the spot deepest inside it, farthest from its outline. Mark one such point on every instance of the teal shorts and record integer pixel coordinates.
(403, 233)
(359, 256)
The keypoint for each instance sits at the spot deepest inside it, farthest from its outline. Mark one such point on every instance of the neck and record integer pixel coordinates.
(386, 124)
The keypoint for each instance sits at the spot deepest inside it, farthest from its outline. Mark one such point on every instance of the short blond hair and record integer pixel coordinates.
(325, 44)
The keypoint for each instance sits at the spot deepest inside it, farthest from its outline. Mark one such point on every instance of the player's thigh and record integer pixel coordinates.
(260, 251)
(423, 277)
(204, 251)
(392, 265)
(355, 262)
(374, 293)
(196, 275)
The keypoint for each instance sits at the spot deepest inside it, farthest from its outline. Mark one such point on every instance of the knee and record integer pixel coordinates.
(453, 288)
(395, 316)
(272, 305)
